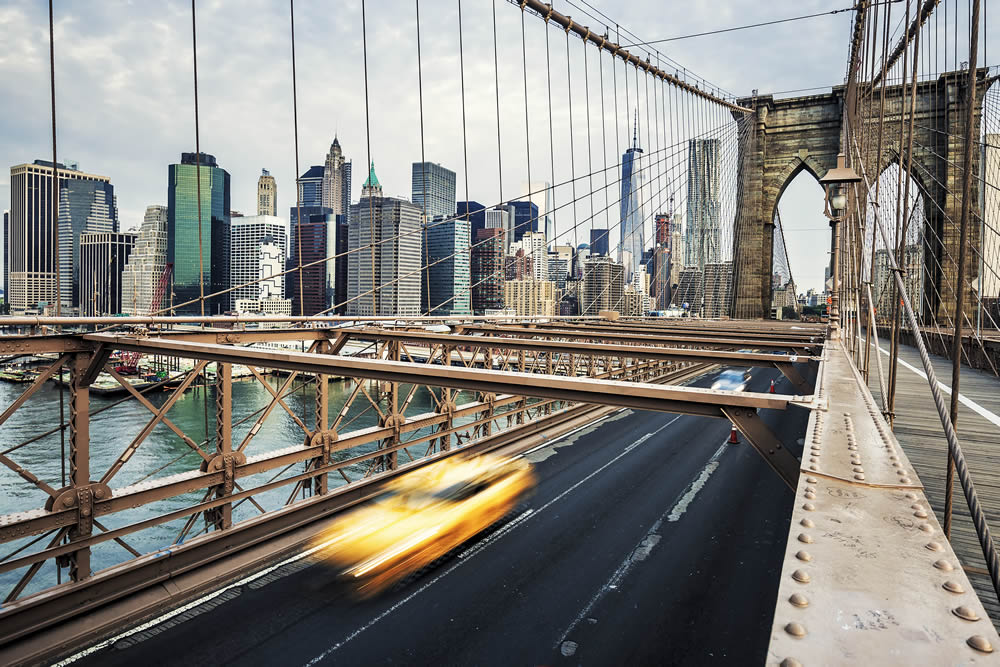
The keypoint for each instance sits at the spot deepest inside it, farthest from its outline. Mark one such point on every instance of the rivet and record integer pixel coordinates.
(980, 643)
(858, 469)
(809, 507)
(859, 476)
(852, 448)
(953, 587)
(799, 600)
(810, 496)
(807, 523)
(811, 480)
(790, 662)
(904, 480)
(805, 539)
(893, 457)
(933, 546)
(901, 473)
(965, 613)
(813, 459)
(916, 506)
(813, 467)
(911, 496)
(896, 464)
(801, 576)
(920, 514)
(944, 565)
(810, 489)
(804, 556)
(927, 528)
(795, 629)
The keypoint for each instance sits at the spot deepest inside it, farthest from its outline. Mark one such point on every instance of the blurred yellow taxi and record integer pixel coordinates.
(421, 516)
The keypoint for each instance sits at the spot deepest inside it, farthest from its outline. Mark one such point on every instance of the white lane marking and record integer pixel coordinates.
(548, 448)
(645, 547)
(477, 548)
(968, 402)
(190, 605)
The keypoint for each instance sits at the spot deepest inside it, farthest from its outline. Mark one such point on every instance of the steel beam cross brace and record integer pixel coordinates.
(766, 443)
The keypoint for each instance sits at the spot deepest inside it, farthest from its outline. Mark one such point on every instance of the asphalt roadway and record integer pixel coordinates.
(648, 541)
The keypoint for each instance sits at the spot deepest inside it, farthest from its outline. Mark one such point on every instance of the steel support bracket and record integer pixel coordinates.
(793, 375)
(325, 440)
(226, 463)
(766, 443)
(69, 497)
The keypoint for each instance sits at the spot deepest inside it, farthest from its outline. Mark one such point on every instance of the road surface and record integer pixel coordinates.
(648, 540)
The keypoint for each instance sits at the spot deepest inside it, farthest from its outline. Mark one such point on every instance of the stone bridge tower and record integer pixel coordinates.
(798, 133)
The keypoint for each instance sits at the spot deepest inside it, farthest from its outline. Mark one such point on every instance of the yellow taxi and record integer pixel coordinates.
(421, 516)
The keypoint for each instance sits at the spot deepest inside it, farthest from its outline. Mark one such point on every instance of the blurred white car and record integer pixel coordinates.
(732, 380)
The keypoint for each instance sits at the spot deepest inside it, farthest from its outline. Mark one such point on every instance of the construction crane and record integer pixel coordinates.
(130, 360)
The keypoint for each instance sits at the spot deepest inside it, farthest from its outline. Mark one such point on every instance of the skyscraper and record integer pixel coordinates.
(475, 213)
(540, 193)
(86, 203)
(502, 217)
(534, 246)
(248, 235)
(525, 218)
(718, 281)
(989, 282)
(702, 203)
(632, 232)
(267, 194)
(6, 260)
(146, 263)
(433, 188)
(310, 187)
(384, 264)
(336, 185)
(662, 229)
(599, 242)
(102, 259)
(487, 270)
(208, 272)
(603, 285)
(446, 278)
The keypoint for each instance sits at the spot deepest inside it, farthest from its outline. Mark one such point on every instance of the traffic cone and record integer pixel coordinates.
(734, 438)
(771, 390)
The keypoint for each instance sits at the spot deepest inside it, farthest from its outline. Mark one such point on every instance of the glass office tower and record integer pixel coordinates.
(212, 268)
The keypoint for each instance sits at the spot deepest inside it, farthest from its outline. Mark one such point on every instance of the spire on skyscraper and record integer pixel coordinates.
(635, 130)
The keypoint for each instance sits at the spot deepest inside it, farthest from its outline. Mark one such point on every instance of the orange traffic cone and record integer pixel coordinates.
(734, 438)
(771, 390)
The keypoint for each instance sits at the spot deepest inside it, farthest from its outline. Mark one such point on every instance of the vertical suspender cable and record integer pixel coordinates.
(368, 144)
(298, 197)
(423, 170)
(197, 161)
(956, 347)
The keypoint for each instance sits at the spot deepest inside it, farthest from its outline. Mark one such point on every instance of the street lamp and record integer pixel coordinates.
(834, 183)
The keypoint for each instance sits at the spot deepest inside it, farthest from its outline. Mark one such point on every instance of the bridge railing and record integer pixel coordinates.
(406, 395)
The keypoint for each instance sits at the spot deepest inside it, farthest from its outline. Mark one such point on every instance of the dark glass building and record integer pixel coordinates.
(311, 228)
(476, 215)
(487, 270)
(525, 218)
(212, 267)
(599, 242)
(311, 187)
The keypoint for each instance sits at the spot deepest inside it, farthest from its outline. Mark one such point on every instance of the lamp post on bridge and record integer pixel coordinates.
(836, 201)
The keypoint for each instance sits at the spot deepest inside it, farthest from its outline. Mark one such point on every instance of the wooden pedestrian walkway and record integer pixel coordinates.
(918, 429)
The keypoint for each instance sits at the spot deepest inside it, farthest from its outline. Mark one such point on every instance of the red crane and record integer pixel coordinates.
(130, 360)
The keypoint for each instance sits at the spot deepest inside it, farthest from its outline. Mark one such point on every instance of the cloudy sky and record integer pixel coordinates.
(126, 105)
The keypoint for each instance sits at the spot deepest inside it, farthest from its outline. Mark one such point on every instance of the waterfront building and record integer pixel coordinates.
(207, 273)
(103, 256)
(255, 239)
(384, 264)
(146, 264)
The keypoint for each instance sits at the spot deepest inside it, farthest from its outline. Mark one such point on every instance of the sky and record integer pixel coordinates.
(125, 103)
